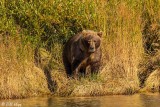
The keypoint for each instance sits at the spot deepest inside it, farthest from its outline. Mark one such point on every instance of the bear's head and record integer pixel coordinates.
(90, 40)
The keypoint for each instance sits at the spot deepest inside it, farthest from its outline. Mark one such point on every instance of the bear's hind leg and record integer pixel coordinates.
(67, 66)
(75, 68)
(68, 69)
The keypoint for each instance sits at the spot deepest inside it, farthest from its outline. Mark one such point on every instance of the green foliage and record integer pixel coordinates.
(48, 24)
(45, 22)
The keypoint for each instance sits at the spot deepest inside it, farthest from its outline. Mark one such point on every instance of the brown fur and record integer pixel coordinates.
(81, 51)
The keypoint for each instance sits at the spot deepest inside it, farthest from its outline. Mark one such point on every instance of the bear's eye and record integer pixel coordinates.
(89, 41)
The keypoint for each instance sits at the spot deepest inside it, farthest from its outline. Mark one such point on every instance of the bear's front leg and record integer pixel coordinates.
(77, 66)
(95, 68)
(76, 73)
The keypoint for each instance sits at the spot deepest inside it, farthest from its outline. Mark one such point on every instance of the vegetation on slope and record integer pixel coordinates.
(33, 32)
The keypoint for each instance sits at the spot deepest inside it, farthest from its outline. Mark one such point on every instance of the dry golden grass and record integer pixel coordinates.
(153, 81)
(122, 51)
(122, 23)
(19, 76)
(152, 84)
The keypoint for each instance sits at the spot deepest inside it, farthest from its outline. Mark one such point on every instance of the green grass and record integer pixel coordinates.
(129, 30)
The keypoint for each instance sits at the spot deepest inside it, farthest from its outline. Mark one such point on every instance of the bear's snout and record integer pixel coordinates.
(91, 46)
(80, 51)
(92, 49)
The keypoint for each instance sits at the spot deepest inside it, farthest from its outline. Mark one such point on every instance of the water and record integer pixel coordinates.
(137, 100)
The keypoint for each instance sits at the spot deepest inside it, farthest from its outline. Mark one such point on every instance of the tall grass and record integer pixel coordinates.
(19, 76)
(48, 24)
(151, 41)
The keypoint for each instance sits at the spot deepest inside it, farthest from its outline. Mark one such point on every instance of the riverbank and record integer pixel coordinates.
(23, 79)
(32, 36)
(20, 78)
(136, 100)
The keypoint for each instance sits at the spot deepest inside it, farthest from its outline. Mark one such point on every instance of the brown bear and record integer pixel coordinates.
(81, 51)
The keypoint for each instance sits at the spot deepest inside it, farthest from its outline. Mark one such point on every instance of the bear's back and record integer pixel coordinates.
(71, 43)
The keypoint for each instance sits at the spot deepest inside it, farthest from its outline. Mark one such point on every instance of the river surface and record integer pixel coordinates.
(137, 100)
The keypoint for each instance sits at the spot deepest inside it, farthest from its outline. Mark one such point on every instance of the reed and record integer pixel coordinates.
(20, 78)
(27, 25)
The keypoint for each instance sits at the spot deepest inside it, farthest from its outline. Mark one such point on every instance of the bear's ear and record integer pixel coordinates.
(84, 31)
(99, 34)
